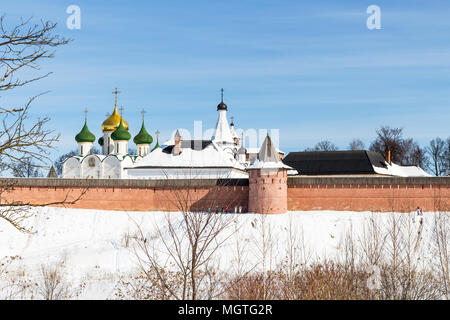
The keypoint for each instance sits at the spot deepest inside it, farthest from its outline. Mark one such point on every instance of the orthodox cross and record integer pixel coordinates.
(121, 110)
(157, 133)
(221, 95)
(143, 113)
(232, 121)
(115, 92)
(85, 114)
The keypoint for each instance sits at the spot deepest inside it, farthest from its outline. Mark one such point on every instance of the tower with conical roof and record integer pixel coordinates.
(85, 139)
(267, 181)
(222, 135)
(109, 126)
(143, 139)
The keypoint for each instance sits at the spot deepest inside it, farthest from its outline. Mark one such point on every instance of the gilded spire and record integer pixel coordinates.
(115, 93)
(113, 121)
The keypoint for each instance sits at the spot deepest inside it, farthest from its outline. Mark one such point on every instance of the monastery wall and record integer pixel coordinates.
(130, 195)
(377, 193)
(303, 193)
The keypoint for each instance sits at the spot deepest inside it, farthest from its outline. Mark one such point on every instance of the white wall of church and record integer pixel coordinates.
(111, 168)
(186, 173)
(71, 168)
(91, 167)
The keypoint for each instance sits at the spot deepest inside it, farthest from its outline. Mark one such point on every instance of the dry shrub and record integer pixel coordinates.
(53, 285)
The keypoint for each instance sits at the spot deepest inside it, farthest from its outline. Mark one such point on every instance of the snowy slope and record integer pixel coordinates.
(91, 243)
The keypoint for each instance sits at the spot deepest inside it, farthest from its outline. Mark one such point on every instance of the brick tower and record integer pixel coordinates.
(268, 181)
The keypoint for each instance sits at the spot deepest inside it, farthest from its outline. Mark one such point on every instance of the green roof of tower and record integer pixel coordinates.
(121, 133)
(85, 135)
(143, 137)
(157, 144)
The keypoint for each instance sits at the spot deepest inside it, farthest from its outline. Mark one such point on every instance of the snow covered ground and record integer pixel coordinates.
(91, 245)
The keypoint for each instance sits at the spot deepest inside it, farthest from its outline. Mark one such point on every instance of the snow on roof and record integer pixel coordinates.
(210, 156)
(268, 165)
(256, 150)
(401, 171)
(268, 157)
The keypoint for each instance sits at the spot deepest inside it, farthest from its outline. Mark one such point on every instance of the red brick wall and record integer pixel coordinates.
(376, 197)
(301, 195)
(136, 199)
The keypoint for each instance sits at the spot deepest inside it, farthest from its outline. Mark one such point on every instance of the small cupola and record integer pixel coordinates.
(120, 137)
(143, 140)
(222, 105)
(85, 139)
(157, 141)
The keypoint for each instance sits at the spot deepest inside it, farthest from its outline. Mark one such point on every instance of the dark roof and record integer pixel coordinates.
(222, 106)
(193, 144)
(334, 162)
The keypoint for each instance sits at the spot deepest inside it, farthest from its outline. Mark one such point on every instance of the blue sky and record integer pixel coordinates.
(310, 68)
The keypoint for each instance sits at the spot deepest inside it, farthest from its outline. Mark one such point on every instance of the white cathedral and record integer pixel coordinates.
(224, 156)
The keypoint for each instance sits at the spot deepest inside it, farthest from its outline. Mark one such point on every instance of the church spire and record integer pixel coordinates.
(223, 133)
(221, 105)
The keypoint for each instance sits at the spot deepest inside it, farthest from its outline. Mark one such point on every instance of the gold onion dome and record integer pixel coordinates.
(112, 123)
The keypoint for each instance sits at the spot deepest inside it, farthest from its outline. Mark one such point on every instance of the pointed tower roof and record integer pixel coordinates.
(52, 173)
(121, 133)
(268, 157)
(233, 132)
(223, 132)
(85, 135)
(143, 137)
(267, 152)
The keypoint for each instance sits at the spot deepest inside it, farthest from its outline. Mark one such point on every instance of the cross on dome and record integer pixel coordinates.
(115, 92)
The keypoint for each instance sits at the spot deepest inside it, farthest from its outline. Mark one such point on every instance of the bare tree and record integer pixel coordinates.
(356, 144)
(415, 155)
(404, 151)
(23, 47)
(324, 145)
(436, 150)
(26, 169)
(24, 140)
(447, 157)
(185, 246)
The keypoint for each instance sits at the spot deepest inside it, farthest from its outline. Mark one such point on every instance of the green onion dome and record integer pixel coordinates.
(143, 137)
(121, 133)
(157, 145)
(85, 135)
(100, 141)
